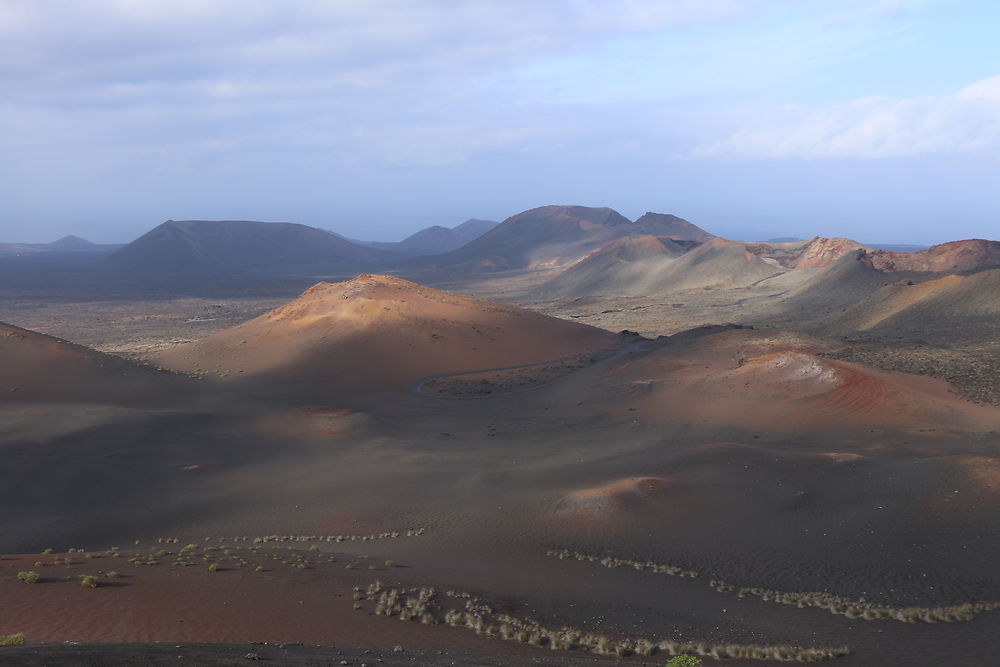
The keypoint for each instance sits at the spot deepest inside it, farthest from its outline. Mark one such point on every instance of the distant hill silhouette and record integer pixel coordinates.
(664, 224)
(233, 244)
(71, 242)
(473, 228)
(435, 240)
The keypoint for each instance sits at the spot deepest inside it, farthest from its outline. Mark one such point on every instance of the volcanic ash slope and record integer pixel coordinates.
(383, 332)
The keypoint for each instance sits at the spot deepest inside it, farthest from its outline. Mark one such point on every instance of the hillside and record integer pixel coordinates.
(949, 310)
(630, 266)
(643, 266)
(42, 369)
(955, 256)
(818, 252)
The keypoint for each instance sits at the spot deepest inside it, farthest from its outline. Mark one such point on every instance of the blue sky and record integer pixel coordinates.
(873, 119)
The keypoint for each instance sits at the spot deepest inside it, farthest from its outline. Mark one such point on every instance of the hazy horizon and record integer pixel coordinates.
(874, 120)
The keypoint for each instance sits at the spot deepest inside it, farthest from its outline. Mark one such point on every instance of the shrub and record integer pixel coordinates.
(28, 577)
(12, 640)
(684, 661)
(214, 567)
(88, 581)
(112, 575)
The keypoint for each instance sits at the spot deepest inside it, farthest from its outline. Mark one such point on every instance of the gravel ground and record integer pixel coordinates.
(975, 376)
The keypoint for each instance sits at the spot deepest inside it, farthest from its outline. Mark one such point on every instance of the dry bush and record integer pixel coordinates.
(409, 604)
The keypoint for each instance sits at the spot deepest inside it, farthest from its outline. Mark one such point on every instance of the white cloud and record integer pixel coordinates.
(965, 122)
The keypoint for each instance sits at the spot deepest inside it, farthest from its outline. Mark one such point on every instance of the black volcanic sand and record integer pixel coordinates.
(900, 526)
(898, 517)
(232, 655)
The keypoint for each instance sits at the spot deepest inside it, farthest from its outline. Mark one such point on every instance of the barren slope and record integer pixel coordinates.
(629, 266)
(39, 368)
(753, 380)
(950, 310)
(955, 256)
(818, 252)
(380, 331)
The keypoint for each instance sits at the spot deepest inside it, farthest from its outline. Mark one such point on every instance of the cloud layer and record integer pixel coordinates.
(142, 109)
(966, 122)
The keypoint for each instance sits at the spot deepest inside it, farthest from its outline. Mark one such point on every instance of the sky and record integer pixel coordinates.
(877, 120)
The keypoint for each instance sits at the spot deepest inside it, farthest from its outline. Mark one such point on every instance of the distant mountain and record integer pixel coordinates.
(71, 242)
(474, 228)
(234, 244)
(551, 236)
(664, 224)
(435, 240)
(541, 237)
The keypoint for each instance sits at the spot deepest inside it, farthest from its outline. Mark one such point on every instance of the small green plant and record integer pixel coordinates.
(47, 551)
(259, 568)
(684, 661)
(112, 575)
(214, 567)
(390, 563)
(28, 577)
(88, 581)
(12, 640)
(39, 563)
